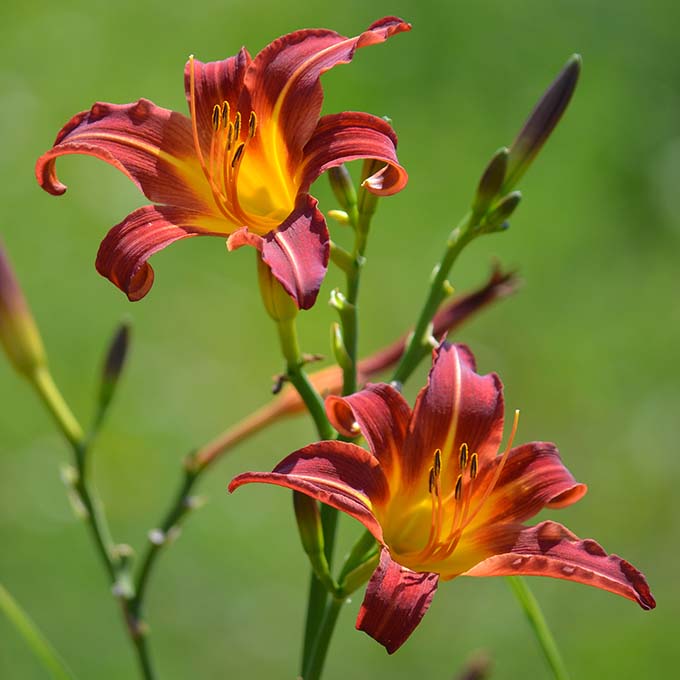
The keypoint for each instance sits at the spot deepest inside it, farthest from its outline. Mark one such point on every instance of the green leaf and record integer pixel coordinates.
(33, 637)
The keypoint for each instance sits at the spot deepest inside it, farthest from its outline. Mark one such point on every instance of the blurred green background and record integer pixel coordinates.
(588, 349)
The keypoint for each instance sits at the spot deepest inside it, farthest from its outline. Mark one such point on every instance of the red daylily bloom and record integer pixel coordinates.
(435, 494)
(241, 165)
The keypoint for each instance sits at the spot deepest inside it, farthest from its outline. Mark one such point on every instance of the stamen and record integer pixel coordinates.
(459, 488)
(462, 519)
(463, 456)
(252, 124)
(437, 462)
(230, 135)
(237, 154)
(499, 468)
(217, 111)
(431, 482)
(219, 198)
(237, 125)
(225, 113)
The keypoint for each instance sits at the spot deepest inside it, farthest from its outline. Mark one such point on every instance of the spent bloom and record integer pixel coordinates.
(241, 164)
(434, 491)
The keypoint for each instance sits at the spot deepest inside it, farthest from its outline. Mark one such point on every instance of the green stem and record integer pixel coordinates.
(57, 406)
(35, 639)
(314, 665)
(297, 376)
(420, 343)
(94, 517)
(545, 638)
(315, 644)
(314, 403)
(179, 507)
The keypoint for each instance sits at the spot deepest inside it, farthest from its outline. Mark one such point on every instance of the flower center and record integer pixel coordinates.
(258, 205)
(228, 144)
(453, 509)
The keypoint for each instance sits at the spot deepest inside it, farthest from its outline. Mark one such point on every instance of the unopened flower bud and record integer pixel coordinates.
(18, 332)
(340, 216)
(491, 182)
(113, 365)
(542, 122)
(371, 174)
(343, 187)
(279, 305)
(502, 211)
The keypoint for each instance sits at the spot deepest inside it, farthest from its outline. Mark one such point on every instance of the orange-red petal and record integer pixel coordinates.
(456, 406)
(533, 478)
(549, 549)
(153, 146)
(282, 83)
(342, 475)
(382, 417)
(123, 254)
(297, 252)
(214, 83)
(344, 137)
(395, 602)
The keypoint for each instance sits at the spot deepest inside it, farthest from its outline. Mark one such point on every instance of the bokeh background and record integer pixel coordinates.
(588, 349)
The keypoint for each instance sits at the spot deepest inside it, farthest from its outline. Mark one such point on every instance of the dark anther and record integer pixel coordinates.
(459, 488)
(237, 154)
(463, 456)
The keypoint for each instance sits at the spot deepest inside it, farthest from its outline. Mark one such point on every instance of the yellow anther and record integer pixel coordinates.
(473, 465)
(217, 112)
(458, 491)
(225, 113)
(237, 125)
(237, 154)
(252, 124)
(463, 456)
(437, 462)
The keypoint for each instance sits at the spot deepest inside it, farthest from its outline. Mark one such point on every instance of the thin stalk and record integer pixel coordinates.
(314, 666)
(298, 377)
(180, 506)
(545, 638)
(94, 517)
(419, 344)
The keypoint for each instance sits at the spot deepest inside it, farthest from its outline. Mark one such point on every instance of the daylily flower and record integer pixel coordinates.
(433, 491)
(241, 165)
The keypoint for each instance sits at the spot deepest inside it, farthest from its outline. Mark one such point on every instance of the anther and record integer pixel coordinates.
(473, 466)
(463, 456)
(225, 113)
(216, 117)
(252, 124)
(237, 154)
(458, 491)
(230, 135)
(437, 462)
(237, 125)
(431, 482)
